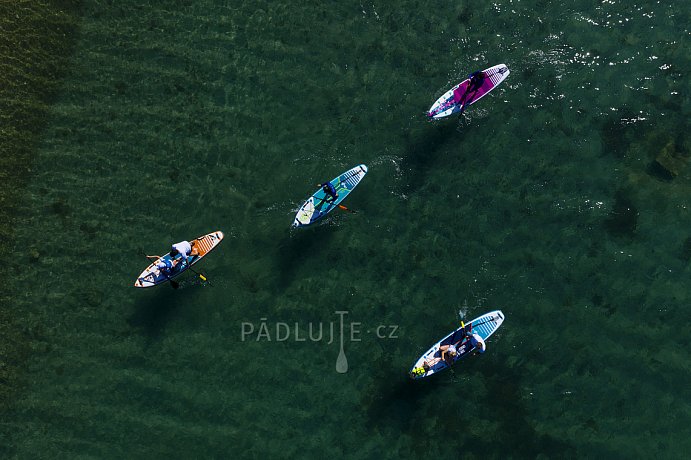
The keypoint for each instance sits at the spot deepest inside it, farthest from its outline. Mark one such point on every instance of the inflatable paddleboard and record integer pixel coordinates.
(317, 206)
(430, 363)
(450, 102)
(203, 245)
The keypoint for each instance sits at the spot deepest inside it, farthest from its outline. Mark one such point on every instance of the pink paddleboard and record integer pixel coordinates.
(454, 99)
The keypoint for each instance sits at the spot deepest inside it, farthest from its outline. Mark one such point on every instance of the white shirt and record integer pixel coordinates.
(481, 347)
(184, 248)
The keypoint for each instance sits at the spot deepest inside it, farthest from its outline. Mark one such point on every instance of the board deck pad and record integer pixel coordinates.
(152, 276)
(317, 206)
(484, 326)
(449, 103)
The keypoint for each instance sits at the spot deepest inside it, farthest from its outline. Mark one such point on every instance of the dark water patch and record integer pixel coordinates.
(465, 14)
(617, 135)
(599, 301)
(89, 229)
(394, 404)
(505, 402)
(685, 254)
(299, 248)
(657, 171)
(36, 41)
(422, 147)
(60, 208)
(623, 219)
(154, 311)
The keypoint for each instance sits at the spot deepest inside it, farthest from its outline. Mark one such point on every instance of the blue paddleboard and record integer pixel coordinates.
(431, 362)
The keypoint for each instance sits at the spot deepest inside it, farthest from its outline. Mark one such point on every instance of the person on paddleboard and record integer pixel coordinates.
(477, 343)
(448, 353)
(476, 80)
(474, 85)
(330, 192)
(184, 249)
(165, 266)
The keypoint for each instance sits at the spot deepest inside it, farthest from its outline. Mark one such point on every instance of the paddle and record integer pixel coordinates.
(465, 104)
(203, 278)
(340, 206)
(492, 320)
(173, 284)
(474, 325)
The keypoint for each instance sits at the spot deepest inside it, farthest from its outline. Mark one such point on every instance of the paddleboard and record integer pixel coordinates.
(317, 207)
(484, 326)
(450, 102)
(152, 276)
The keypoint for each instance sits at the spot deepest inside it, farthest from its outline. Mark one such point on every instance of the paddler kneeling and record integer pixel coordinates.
(449, 352)
(185, 249)
(477, 343)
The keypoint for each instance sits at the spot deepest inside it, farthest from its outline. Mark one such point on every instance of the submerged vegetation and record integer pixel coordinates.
(36, 39)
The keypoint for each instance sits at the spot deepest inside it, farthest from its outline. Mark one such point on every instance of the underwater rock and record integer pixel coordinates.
(60, 207)
(670, 160)
(623, 219)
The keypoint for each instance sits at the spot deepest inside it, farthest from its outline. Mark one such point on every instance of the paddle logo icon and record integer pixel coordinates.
(341, 361)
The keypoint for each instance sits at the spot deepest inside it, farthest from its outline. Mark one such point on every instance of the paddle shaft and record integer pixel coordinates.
(200, 275)
(484, 322)
(464, 104)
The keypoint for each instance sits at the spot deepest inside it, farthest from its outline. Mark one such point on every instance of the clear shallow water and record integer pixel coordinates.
(544, 202)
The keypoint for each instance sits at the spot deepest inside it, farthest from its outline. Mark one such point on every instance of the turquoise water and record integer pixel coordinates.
(544, 201)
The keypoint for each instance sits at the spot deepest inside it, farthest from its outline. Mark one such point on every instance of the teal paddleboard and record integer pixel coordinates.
(317, 206)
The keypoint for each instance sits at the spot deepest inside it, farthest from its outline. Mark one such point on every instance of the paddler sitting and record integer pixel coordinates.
(165, 266)
(448, 353)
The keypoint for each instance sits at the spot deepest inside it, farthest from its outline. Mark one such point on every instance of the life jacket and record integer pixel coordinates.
(329, 189)
(165, 265)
